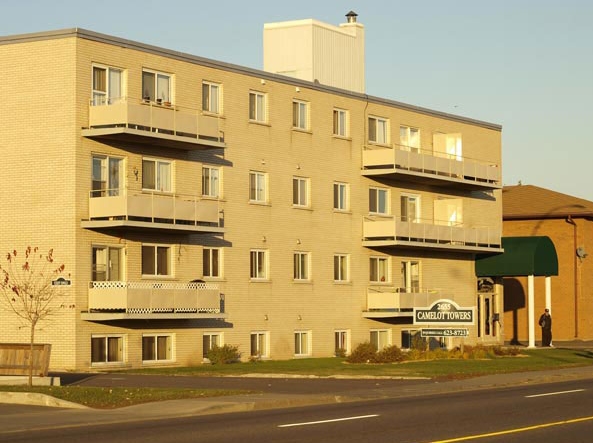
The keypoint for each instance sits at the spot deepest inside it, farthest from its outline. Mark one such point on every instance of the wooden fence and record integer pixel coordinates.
(15, 359)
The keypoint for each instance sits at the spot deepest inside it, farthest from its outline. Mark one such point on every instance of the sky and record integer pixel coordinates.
(526, 65)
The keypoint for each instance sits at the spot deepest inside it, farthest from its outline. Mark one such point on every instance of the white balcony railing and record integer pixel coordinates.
(443, 166)
(388, 228)
(389, 300)
(153, 207)
(154, 118)
(147, 298)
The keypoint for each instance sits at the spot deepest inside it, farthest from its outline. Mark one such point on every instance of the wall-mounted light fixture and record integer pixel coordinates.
(265, 316)
(135, 170)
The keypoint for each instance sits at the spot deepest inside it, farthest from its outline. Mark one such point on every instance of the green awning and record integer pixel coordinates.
(522, 256)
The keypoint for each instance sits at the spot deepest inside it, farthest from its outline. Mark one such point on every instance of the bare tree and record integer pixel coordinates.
(27, 283)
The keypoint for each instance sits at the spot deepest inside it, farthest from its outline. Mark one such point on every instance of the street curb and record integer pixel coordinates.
(36, 399)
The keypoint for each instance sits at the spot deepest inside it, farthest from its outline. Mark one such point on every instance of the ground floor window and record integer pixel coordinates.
(107, 349)
(380, 338)
(341, 343)
(157, 347)
(209, 341)
(302, 343)
(259, 344)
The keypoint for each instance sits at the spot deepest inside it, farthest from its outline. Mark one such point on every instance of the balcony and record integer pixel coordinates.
(122, 208)
(160, 124)
(389, 231)
(122, 300)
(389, 302)
(437, 168)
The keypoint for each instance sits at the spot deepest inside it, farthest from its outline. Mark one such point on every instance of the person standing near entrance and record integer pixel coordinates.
(545, 321)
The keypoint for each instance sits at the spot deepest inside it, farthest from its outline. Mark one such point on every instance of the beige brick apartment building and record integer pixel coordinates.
(196, 202)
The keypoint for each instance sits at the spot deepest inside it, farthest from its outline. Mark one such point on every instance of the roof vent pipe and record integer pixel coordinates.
(351, 16)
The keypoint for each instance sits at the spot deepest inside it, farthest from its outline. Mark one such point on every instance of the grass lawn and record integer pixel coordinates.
(527, 360)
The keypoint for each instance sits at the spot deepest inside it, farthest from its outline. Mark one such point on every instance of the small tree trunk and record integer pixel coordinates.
(33, 324)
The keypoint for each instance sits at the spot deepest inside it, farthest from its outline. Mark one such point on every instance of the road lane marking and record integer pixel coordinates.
(514, 431)
(554, 393)
(360, 417)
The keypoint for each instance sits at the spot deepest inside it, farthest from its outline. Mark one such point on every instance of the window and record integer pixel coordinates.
(300, 191)
(211, 97)
(300, 117)
(257, 107)
(411, 276)
(257, 187)
(341, 196)
(410, 208)
(259, 345)
(341, 122)
(210, 181)
(156, 87)
(157, 347)
(156, 175)
(107, 349)
(341, 262)
(258, 264)
(409, 138)
(211, 340)
(108, 176)
(107, 85)
(107, 264)
(341, 342)
(211, 262)
(378, 201)
(156, 260)
(378, 130)
(302, 343)
(380, 338)
(379, 269)
(301, 265)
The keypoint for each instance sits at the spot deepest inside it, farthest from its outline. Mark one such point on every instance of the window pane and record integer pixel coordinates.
(114, 349)
(163, 260)
(252, 115)
(205, 97)
(148, 174)
(164, 177)
(148, 86)
(163, 348)
(148, 260)
(163, 88)
(261, 107)
(98, 347)
(372, 129)
(115, 92)
(372, 200)
(214, 104)
(148, 345)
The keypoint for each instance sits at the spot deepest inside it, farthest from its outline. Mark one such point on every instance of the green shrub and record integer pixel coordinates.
(418, 342)
(340, 352)
(222, 355)
(363, 353)
(389, 354)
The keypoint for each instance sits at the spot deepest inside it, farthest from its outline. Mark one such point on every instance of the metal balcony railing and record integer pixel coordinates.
(153, 207)
(389, 228)
(129, 116)
(141, 298)
(389, 301)
(403, 159)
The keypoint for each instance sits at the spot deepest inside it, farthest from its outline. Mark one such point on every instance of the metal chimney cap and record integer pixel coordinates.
(351, 16)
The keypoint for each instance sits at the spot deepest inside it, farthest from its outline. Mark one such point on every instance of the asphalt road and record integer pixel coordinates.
(551, 413)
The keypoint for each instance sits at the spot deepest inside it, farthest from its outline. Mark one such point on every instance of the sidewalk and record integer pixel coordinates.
(68, 414)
